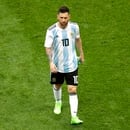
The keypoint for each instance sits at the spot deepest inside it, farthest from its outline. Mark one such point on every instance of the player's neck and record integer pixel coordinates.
(62, 26)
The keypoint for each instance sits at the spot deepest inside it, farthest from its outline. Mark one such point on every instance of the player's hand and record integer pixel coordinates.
(81, 59)
(53, 67)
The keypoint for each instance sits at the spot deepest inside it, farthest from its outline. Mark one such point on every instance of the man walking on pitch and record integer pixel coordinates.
(62, 39)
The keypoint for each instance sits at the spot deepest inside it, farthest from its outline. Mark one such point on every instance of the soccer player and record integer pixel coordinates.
(62, 44)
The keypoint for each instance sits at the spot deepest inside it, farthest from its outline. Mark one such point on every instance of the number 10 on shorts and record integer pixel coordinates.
(75, 79)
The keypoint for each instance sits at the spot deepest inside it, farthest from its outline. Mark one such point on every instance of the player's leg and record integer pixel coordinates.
(72, 83)
(73, 100)
(57, 91)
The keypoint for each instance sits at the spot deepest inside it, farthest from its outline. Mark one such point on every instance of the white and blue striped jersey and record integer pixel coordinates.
(62, 42)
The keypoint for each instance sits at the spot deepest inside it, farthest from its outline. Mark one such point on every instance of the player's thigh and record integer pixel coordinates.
(57, 78)
(72, 78)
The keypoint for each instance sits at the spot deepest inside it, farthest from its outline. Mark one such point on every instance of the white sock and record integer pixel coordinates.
(73, 100)
(57, 93)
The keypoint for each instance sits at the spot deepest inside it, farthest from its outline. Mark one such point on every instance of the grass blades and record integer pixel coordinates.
(26, 98)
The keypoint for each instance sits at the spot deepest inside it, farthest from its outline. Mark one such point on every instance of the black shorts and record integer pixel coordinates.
(70, 78)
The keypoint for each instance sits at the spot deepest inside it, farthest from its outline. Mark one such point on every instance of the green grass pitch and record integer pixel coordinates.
(26, 98)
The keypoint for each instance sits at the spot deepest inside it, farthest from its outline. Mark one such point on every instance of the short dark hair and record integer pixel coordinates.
(63, 9)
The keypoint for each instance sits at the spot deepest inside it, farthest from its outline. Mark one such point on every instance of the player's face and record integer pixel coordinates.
(63, 19)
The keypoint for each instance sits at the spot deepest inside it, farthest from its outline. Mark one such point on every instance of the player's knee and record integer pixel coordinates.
(72, 90)
(56, 86)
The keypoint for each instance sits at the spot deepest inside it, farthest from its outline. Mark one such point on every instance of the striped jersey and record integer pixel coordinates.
(63, 45)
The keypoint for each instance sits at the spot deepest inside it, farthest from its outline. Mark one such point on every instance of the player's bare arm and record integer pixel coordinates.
(80, 49)
(49, 54)
(52, 65)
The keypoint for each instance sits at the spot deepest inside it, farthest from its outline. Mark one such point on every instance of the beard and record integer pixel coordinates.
(63, 24)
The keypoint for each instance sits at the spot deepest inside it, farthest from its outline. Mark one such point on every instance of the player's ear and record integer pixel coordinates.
(57, 16)
(69, 16)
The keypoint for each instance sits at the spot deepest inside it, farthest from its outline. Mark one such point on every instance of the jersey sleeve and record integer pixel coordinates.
(48, 39)
(77, 31)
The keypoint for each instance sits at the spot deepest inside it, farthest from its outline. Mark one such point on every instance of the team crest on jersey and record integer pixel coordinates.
(72, 34)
